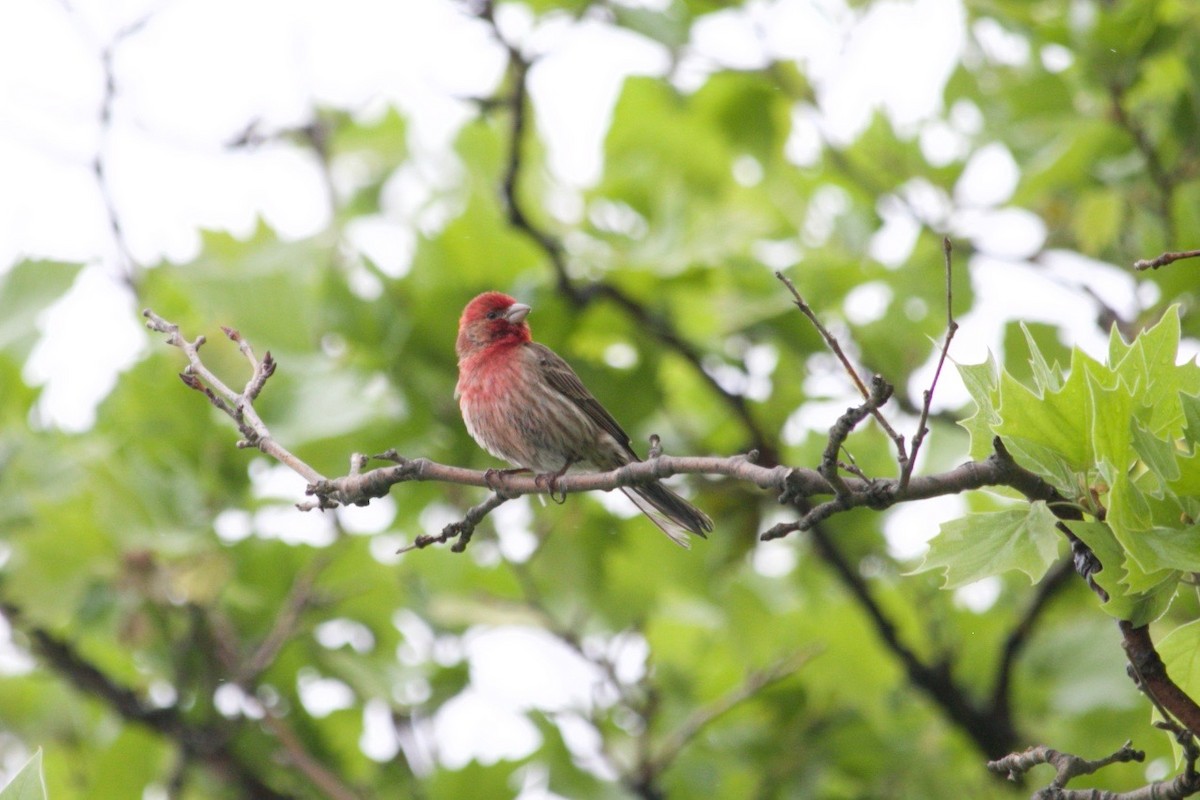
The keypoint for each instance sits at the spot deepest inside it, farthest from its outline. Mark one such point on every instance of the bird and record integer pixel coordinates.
(523, 403)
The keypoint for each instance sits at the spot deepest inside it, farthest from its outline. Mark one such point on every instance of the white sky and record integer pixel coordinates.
(197, 73)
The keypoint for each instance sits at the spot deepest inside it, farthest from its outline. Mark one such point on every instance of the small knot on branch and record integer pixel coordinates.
(881, 390)
(357, 462)
(793, 488)
(655, 447)
(357, 489)
(881, 494)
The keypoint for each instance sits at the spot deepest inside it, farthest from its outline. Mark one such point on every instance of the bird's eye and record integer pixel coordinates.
(493, 315)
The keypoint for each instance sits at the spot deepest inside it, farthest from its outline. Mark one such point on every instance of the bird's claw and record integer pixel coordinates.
(549, 482)
(491, 476)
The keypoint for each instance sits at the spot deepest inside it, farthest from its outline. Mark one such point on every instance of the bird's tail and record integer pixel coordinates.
(673, 515)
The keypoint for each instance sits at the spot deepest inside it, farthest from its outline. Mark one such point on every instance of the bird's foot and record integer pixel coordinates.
(549, 481)
(491, 476)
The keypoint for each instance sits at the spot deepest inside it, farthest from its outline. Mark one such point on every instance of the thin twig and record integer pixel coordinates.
(300, 597)
(880, 391)
(1164, 259)
(100, 168)
(704, 716)
(831, 340)
(305, 763)
(1066, 765)
(836, 348)
(461, 530)
(951, 327)
(568, 633)
(217, 629)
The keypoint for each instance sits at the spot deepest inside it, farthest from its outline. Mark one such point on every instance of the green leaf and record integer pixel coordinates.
(1186, 485)
(670, 29)
(27, 289)
(1049, 464)
(28, 783)
(1112, 411)
(1045, 377)
(1148, 369)
(980, 545)
(266, 288)
(1129, 517)
(1059, 422)
(750, 112)
(1159, 454)
(983, 383)
(1191, 414)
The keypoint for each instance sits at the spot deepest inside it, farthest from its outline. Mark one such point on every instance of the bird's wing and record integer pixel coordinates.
(562, 378)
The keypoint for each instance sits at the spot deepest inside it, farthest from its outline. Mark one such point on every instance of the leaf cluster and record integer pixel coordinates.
(1117, 440)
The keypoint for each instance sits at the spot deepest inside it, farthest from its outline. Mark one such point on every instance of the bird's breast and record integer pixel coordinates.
(514, 414)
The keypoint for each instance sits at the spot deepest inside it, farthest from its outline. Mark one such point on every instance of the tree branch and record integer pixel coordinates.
(992, 733)
(1162, 178)
(836, 348)
(237, 406)
(655, 324)
(1068, 767)
(990, 727)
(790, 485)
(246, 672)
(208, 742)
(125, 263)
(1150, 674)
(704, 716)
(1050, 585)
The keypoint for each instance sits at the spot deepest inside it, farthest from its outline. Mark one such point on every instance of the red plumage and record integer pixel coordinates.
(522, 403)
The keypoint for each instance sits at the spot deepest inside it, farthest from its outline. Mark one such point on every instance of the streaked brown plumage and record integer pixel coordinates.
(522, 403)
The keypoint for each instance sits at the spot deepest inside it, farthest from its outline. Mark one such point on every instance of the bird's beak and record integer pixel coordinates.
(517, 313)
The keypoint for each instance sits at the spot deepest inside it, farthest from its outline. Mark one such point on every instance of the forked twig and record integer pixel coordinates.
(836, 347)
(879, 393)
(1066, 765)
(238, 406)
(464, 529)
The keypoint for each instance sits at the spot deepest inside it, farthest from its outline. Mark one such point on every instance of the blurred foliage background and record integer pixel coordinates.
(175, 628)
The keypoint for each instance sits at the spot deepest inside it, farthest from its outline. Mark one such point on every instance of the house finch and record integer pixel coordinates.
(523, 403)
